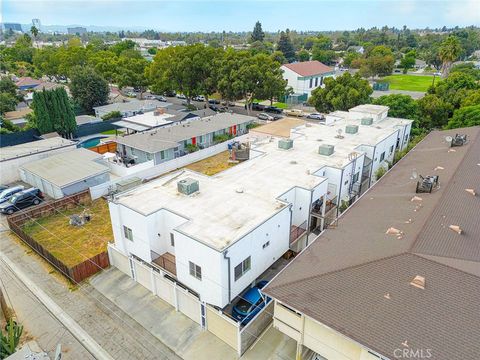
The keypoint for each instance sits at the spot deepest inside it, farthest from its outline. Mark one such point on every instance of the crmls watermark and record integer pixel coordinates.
(412, 353)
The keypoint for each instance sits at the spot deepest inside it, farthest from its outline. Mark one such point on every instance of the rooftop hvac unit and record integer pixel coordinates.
(457, 140)
(285, 144)
(367, 121)
(188, 186)
(351, 129)
(427, 184)
(326, 149)
(128, 184)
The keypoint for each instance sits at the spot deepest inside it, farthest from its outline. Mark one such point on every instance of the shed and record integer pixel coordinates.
(66, 173)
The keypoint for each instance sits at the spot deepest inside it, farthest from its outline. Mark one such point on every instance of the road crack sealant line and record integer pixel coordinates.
(73, 327)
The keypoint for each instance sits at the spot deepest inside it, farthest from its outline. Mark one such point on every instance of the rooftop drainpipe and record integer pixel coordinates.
(340, 192)
(309, 217)
(229, 280)
(371, 167)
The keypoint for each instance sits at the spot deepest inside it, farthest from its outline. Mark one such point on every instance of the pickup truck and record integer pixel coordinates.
(293, 112)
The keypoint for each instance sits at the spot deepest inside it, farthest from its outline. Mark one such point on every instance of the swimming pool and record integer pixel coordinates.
(88, 143)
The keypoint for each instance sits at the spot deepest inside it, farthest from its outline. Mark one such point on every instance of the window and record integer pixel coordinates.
(266, 245)
(195, 270)
(316, 82)
(172, 239)
(242, 268)
(127, 232)
(321, 81)
(311, 82)
(133, 151)
(382, 156)
(162, 154)
(391, 149)
(149, 156)
(202, 139)
(355, 177)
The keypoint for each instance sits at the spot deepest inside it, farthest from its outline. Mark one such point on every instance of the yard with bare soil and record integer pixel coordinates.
(213, 164)
(73, 244)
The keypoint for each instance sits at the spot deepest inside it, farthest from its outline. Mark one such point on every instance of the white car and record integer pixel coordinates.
(199, 98)
(181, 96)
(264, 116)
(315, 116)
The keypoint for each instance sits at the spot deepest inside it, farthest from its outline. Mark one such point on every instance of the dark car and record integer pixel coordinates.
(250, 303)
(170, 93)
(273, 109)
(256, 106)
(22, 200)
(214, 101)
(277, 117)
(214, 108)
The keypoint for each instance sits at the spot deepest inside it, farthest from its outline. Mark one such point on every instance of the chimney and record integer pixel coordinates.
(419, 282)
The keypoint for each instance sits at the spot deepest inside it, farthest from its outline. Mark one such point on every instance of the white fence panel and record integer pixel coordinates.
(118, 260)
(164, 289)
(188, 305)
(143, 275)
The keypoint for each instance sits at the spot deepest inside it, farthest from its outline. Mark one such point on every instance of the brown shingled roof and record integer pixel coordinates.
(309, 68)
(341, 278)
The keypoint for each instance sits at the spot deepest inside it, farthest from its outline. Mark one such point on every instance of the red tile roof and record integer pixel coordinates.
(23, 81)
(309, 68)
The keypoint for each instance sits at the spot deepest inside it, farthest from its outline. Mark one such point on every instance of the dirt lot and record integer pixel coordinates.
(280, 127)
(71, 244)
(213, 164)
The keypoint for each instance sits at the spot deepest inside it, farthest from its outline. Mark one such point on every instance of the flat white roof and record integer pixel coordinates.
(370, 109)
(67, 167)
(150, 119)
(33, 147)
(235, 201)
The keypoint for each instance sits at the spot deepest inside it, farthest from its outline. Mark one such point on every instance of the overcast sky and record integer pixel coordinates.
(233, 15)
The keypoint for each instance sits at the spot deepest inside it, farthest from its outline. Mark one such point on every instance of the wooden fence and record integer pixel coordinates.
(76, 273)
(103, 148)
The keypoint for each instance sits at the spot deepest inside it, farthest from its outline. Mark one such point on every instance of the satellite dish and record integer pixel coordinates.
(414, 175)
(448, 139)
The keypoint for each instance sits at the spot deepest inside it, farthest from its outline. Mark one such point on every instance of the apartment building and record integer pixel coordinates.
(217, 234)
(400, 276)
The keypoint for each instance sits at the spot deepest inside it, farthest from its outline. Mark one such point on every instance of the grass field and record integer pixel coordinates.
(112, 132)
(280, 105)
(409, 82)
(70, 244)
(212, 165)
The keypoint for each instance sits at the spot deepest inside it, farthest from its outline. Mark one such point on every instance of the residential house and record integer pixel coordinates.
(18, 117)
(304, 77)
(129, 108)
(216, 235)
(12, 157)
(400, 276)
(169, 142)
(357, 49)
(26, 83)
(66, 173)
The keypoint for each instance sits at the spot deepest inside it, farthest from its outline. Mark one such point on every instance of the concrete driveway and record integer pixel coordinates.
(182, 335)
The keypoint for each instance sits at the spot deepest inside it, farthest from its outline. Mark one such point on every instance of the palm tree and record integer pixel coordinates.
(450, 50)
(34, 32)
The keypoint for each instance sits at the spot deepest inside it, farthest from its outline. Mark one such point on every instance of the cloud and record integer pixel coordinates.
(466, 12)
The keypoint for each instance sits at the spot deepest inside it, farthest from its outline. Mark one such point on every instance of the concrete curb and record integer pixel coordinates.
(70, 324)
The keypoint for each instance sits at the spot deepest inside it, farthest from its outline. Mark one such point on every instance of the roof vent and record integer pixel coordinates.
(351, 129)
(367, 121)
(456, 228)
(457, 140)
(285, 144)
(326, 149)
(471, 192)
(419, 282)
(188, 186)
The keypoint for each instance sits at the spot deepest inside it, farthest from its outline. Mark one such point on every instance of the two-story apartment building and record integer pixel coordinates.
(169, 142)
(217, 234)
(400, 276)
(304, 77)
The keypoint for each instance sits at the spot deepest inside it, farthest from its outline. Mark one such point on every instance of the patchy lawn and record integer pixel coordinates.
(409, 82)
(280, 127)
(77, 243)
(213, 164)
(112, 132)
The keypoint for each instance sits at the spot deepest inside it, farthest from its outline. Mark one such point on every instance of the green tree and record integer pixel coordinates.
(455, 88)
(34, 32)
(7, 102)
(7, 127)
(434, 112)
(42, 117)
(471, 99)
(349, 57)
(257, 33)
(408, 61)
(327, 57)
(130, 71)
(400, 106)
(449, 51)
(88, 88)
(8, 86)
(341, 93)
(303, 55)
(465, 117)
(285, 45)
(379, 62)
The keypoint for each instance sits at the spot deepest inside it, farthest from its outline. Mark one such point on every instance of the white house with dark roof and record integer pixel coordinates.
(304, 77)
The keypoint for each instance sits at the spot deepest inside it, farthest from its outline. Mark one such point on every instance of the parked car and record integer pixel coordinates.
(131, 94)
(169, 93)
(22, 200)
(316, 116)
(214, 108)
(293, 112)
(3, 187)
(199, 98)
(277, 117)
(9, 192)
(265, 116)
(228, 103)
(214, 101)
(250, 304)
(273, 109)
(161, 98)
(256, 106)
(149, 97)
(181, 96)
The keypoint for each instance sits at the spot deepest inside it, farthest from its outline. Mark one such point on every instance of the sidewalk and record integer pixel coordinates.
(178, 332)
(117, 333)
